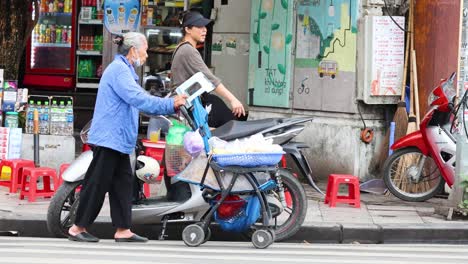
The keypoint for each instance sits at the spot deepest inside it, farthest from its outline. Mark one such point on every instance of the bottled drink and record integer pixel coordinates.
(62, 119)
(64, 34)
(69, 115)
(42, 33)
(39, 112)
(51, 6)
(69, 32)
(45, 121)
(36, 32)
(86, 43)
(53, 118)
(60, 6)
(58, 34)
(66, 6)
(91, 43)
(81, 43)
(47, 34)
(44, 8)
(53, 33)
(30, 117)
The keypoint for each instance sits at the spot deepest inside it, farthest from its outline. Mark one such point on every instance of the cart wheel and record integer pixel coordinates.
(207, 232)
(193, 235)
(207, 235)
(273, 234)
(262, 238)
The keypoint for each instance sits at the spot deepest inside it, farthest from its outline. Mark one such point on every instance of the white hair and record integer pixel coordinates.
(130, 39)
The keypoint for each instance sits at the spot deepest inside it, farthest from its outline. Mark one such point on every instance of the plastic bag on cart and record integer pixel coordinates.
(193, 143)
(193, 173)
(242, 220)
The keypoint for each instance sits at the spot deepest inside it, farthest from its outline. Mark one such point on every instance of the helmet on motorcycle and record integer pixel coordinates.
(147, 169)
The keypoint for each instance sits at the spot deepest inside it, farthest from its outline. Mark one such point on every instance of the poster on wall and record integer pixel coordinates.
(325, 61)
(387, 57)
(270, 52)
(121, 16)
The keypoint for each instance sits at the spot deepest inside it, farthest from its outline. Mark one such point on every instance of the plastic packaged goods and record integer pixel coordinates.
(39, 112)
(253, 144)
(193, 143)
(45, 119)
(176, 133)
(69, 118)
(11, 119)
(54, 118)
(62, 119)
(30, 117)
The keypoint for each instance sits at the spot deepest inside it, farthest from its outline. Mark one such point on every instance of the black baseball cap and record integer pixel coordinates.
(193, 18)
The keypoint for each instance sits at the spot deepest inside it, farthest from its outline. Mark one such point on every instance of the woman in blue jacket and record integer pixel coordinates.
(113, 135)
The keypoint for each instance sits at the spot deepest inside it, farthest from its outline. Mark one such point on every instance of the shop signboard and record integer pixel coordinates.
(121, 16)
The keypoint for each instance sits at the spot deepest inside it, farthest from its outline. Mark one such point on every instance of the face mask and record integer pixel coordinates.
(137, 61)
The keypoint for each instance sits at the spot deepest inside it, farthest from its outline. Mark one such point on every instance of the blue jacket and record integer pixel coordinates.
(119, 100)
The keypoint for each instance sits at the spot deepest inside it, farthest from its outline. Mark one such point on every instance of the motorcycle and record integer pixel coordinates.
(423, 161)
(188, 203)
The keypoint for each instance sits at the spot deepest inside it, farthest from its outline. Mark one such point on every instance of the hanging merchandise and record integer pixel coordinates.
(121, 16)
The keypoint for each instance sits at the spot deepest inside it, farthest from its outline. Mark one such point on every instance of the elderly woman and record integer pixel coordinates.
(113, 135)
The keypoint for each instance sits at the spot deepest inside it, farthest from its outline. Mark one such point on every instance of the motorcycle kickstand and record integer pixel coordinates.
(163, 235)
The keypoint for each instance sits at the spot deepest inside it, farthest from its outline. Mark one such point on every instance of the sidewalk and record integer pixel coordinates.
(381, 219)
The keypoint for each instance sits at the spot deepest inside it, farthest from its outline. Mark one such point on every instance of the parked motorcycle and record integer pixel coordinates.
(425, 159)
(187, 202)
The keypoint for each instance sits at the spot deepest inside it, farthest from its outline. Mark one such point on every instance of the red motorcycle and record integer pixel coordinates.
(423, 161)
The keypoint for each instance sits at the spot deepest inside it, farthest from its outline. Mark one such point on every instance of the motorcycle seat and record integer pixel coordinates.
(239, 129)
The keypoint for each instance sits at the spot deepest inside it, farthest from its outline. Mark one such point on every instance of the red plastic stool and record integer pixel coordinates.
(332, 197)
(29, 183)
(16, 166)
(63, 167)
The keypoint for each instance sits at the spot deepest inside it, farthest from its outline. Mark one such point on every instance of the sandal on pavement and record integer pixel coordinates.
(83, 237)
(133, 238)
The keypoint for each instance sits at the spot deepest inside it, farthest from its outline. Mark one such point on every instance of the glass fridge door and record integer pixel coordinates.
(51, 46)
(162, 42)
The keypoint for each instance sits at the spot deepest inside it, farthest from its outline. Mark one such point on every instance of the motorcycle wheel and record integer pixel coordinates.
(290, 220)
(62, 209)
(399, 169)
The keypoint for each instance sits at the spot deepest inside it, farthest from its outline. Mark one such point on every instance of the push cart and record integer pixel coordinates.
(196, 234)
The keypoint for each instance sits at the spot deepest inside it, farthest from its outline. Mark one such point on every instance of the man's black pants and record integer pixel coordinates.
(110, 171)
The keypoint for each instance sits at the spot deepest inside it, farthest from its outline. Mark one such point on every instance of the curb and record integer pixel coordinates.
(310, 233)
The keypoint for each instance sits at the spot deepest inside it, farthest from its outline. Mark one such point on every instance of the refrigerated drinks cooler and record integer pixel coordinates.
(50, 54)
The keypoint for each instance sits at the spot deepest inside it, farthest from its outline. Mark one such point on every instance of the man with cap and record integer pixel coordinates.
(187, 61)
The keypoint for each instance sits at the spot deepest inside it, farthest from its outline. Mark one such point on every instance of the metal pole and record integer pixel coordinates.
(461, 171)
(36, 138)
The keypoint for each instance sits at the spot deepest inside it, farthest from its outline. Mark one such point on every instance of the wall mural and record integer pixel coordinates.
(270, 61)
(325, 62)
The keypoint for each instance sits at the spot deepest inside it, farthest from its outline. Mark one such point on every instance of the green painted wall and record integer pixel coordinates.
(270, 62)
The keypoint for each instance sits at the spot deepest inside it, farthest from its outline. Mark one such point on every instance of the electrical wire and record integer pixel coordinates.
(391, 17)
(360, 114)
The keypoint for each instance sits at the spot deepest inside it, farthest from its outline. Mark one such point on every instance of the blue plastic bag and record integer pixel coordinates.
(200, 117)
(244, 219)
